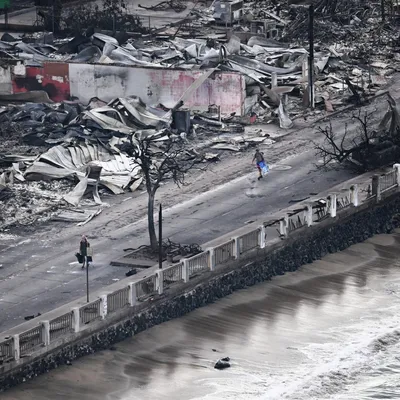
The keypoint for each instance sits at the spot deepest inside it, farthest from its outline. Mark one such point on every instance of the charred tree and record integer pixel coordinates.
(363, 147)
(339, 147)
(111, 15)
(161, 161)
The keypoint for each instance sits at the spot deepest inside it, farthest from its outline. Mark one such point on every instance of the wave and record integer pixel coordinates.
(332, 368)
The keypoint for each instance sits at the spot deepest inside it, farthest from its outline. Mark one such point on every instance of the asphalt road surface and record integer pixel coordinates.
(44, 274)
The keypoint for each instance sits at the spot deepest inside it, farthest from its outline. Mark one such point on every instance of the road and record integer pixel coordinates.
(38, 271)
(48, 277)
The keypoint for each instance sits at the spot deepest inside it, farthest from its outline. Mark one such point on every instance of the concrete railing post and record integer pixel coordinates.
(46, 332)
(236, 247)
(160, 281)
(263, 234)
(76, 320)
(103, 306)
(17, 352)
(132, 294)
(309, 214)
(376, 187)
(185, 270)
(354, 195)
(211, 258)
(283, 225)
(332, 205)
(397, 168)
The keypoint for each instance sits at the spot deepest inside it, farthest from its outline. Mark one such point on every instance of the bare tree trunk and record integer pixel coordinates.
(150, 219)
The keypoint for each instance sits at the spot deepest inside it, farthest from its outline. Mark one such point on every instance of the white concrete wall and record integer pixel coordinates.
(155, 85)
(5, 80)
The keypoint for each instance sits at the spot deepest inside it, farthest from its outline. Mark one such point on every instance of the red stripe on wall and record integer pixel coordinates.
(53, 78)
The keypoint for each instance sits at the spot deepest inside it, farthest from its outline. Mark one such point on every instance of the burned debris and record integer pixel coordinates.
(84, 152)
(371, 145)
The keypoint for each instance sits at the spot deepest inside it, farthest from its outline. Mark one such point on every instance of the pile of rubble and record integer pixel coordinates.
(266, 41)
(55, 158)
(276, 71)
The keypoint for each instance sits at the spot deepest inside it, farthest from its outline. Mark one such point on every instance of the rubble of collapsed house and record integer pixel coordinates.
(354, 56)
(60, 160)
(265, 41)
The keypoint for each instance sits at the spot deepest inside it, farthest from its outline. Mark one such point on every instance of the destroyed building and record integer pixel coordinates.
(222, 66)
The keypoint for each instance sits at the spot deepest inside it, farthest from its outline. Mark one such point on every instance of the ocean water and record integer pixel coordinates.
(328, 331)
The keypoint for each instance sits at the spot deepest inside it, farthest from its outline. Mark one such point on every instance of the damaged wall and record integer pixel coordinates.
(5, 79)
(53, 78)
(153, 85)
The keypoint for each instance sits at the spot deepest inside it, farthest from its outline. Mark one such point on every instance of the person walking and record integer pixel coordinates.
(260, 162)
(83, 251)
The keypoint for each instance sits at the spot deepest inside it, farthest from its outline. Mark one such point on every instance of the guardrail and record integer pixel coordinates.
(30, 340)
(146, 287)
(316, 210)
(118, 300)
(224, 252)
(197, 264)
(6, 350)
(90, 312)
(172, 274)
(61, 325)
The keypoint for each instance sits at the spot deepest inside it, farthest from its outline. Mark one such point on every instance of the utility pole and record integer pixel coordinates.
(87, 281)
(311, 56)
(160, 249)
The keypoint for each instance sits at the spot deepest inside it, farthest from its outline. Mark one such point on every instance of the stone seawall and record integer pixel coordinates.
(352, 226)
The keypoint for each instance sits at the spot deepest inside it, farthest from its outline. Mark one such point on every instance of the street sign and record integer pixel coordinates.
(4, 4)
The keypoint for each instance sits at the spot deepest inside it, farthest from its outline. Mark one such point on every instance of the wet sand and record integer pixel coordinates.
(326, 331)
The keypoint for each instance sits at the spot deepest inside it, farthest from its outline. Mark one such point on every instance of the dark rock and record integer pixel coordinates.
(221, 364)
(227, 359)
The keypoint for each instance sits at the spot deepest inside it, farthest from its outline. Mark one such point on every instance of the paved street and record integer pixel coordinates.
(38, 271)
(46, 280)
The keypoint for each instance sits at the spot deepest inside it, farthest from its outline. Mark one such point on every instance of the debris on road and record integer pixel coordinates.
(87, 149)
(50, 143)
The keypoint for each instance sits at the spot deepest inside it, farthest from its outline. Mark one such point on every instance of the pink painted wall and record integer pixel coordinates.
(153, 85)
(156, 85)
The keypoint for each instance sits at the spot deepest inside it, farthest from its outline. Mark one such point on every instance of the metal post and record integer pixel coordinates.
(6, 16)
(53, 18)
(160, 250)
(311, 56)
(87, 281)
